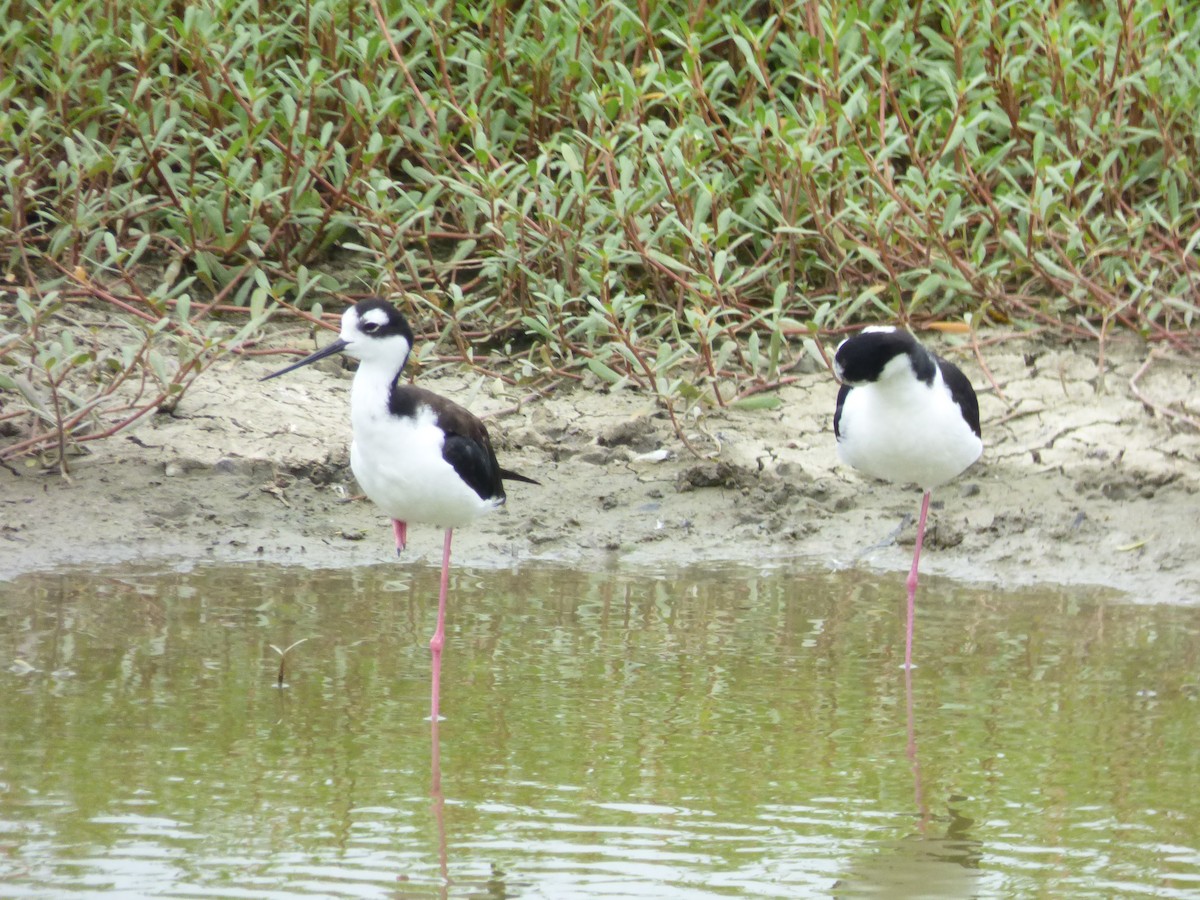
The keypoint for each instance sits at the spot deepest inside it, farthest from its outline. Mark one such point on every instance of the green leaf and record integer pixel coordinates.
(751, 58)
(571, 158)
(759, 401)
(930, 283)
(604, 372)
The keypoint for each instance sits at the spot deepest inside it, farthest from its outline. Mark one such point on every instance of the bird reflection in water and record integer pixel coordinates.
(921, 864)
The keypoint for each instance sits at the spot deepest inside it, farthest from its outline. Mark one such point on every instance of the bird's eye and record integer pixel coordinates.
(368, 327)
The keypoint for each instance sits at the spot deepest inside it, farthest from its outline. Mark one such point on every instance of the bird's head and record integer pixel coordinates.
(373, 332)
(879, 353)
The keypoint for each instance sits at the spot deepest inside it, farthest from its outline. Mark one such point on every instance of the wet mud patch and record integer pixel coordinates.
(1082, 481)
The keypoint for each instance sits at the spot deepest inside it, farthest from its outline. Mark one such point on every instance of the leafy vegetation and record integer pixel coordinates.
(660, 194)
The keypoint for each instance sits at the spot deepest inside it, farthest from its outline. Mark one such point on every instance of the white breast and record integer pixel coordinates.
(905, 431)
(398, 462)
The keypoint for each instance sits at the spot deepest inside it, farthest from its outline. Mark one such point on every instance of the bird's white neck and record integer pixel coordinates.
(902, 389)
(370, 392)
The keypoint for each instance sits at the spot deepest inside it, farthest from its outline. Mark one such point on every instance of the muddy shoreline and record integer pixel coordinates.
(1081, 482)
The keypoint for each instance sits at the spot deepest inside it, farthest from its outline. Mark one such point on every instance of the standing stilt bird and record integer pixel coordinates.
(906, 415)
(417, 455)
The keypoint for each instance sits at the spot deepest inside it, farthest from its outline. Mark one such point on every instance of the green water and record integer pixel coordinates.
(697, 733)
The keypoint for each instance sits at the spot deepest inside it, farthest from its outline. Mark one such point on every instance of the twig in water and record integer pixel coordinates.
(283, 658)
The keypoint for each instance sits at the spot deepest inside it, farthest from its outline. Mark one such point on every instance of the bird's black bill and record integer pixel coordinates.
(336, 347)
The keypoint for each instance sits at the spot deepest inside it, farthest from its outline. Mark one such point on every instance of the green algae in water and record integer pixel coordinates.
(693, 733)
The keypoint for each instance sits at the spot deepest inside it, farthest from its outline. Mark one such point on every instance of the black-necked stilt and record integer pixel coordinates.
(417, 455)
(904, 414)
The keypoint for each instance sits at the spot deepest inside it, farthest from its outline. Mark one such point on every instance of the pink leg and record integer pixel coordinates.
(439, 635)
(912, 583)
(400, 530)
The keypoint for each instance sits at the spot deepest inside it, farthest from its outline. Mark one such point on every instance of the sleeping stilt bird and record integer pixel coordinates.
(417, 455)
(906, 415)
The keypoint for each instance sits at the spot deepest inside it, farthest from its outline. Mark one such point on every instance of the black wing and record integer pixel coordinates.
(837, 413)
(961, 393)
(466, 446)
(475, 463)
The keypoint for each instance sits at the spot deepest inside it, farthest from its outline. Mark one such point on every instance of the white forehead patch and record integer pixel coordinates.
(375, 316)
(878, 329)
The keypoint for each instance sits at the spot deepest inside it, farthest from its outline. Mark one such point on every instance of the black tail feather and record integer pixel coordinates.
(509, 475)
